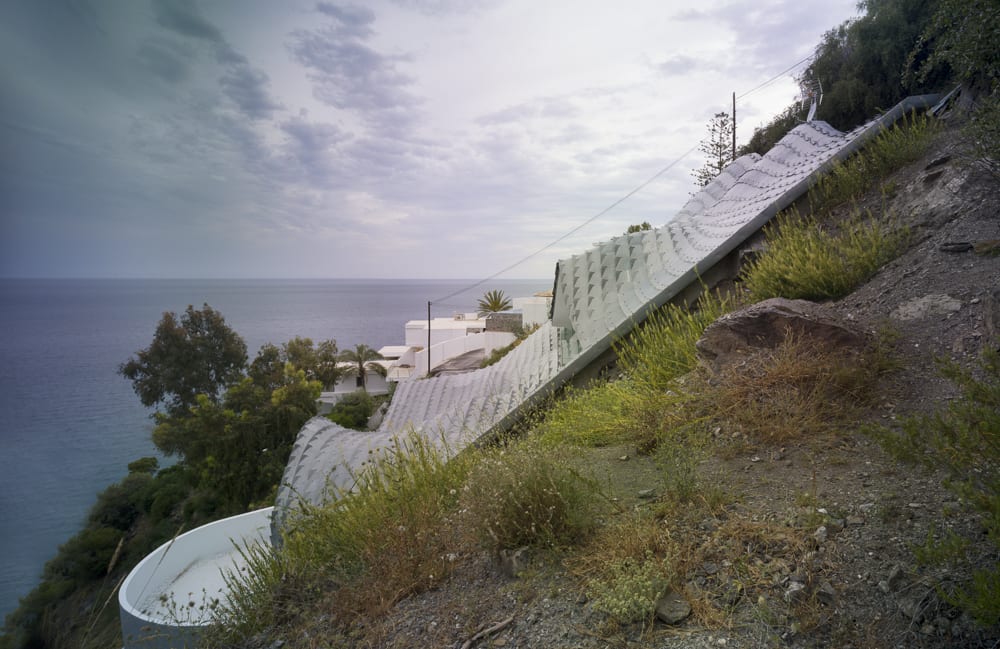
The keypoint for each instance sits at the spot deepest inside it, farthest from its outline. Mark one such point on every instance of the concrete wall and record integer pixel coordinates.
(196, 557)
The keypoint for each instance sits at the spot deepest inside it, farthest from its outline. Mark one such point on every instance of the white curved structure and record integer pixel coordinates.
(168, 597)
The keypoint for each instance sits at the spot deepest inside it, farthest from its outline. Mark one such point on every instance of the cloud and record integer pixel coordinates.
(680, 64)
(247, 88)
(441, 7)
(354, 20)
(166, 59)
(244, 85)
(348, 74)
(183, 17)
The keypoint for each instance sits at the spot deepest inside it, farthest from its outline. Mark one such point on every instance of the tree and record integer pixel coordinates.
(196, 355)
(718, 148)
(494, 301)
(638, 227)
(362, 356)
(319, 362)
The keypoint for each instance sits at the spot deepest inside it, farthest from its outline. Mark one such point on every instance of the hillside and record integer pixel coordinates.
(807, 540)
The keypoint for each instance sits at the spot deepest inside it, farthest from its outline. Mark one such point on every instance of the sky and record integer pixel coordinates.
(384, 139)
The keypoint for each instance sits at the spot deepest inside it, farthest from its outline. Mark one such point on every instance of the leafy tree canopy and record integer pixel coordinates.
(197, 354)
(638, 227)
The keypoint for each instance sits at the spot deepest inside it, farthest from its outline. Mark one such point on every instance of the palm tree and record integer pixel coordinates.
(362, 356)
(494, 302)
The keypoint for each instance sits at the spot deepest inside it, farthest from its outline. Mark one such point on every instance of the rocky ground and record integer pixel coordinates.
(848, 578)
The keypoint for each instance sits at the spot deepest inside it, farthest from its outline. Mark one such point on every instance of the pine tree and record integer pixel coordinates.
(717, 147)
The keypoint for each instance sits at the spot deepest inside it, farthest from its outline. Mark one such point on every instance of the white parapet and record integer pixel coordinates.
(168, 598)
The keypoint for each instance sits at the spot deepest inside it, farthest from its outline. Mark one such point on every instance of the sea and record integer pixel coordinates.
(69, 424)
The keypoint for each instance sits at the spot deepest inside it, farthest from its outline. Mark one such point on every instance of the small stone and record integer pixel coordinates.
(895, 577)
(884, 586)
(624, 458)
(866, 508)
(499, 642)
(855, 521)
(672, 608)
(835, 524)
(912, 607)
(796, 592)
(927, 629)
(826, 593)
(646, 494)
(798, 577)
(709, 568)
(820, 534)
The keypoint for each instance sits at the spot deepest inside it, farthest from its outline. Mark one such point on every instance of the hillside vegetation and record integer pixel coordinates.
(618, 495)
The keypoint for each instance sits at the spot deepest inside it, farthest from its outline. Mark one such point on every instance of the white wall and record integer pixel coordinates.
(487, 341)
(535, 310)
(194, 559)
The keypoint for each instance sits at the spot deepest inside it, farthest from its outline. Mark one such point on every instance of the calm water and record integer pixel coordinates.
(69, 424)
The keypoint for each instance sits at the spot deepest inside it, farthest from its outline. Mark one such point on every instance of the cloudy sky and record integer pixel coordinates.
(390, 138)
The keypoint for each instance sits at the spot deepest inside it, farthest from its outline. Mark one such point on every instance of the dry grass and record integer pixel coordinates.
(802, 387)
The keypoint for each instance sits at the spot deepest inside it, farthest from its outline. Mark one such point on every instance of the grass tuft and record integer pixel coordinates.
(527, 494)
(804, 260)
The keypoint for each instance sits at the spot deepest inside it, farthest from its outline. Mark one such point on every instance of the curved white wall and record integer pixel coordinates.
(154, 600)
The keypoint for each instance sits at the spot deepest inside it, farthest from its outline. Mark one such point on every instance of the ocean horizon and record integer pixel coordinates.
(71, 424)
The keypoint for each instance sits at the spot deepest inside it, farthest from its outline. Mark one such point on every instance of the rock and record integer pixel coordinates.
(895, 578)
(855, 521)
(767, 324)
(514, 562)
(926, 306)
(646, 494)
(796, 592)
(821, 534)
(826, 593)
(912, 606)
(672, 608)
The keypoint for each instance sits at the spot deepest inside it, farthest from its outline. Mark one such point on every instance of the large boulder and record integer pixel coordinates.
(767, 324)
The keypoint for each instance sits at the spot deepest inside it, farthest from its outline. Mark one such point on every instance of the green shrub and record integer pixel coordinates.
(630, 589)
(964, 441)
(527, 494)
(353, 410)
(804, 260)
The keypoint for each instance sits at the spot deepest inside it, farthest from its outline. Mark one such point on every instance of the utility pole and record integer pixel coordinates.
(428, 337)
(734, 125)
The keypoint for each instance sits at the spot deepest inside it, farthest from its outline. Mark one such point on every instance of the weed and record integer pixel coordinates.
(596, 416)
(893, 148)
(964, 441)
(662, 349)
(803, 260)
(798, 388)
(628, 566)
(630, 589)
(526, 494)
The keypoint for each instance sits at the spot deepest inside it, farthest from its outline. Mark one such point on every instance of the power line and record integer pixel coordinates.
(774, 78)
(617, 202)
(574, 230)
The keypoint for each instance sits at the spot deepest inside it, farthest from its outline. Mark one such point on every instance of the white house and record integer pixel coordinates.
(375, 384)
